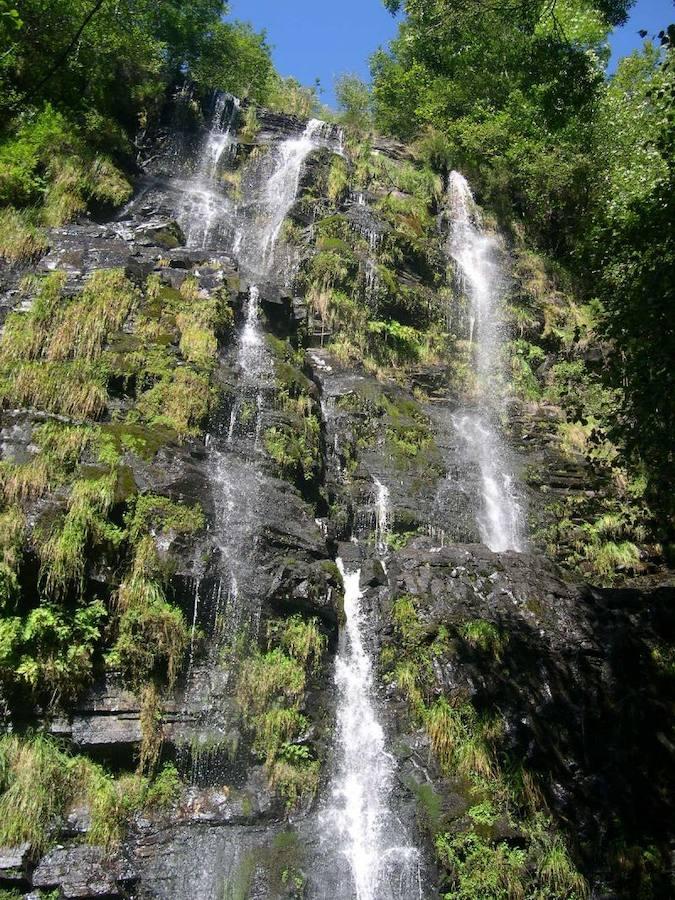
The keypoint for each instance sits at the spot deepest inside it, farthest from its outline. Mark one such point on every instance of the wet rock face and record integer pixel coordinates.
(86, 872)
(571, 673)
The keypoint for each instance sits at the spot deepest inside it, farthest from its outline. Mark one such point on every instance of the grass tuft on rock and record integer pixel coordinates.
(20, 241)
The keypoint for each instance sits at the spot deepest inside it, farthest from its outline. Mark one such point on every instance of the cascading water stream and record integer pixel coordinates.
(480, 278)
(263, 212)
(360, 819)
(232, 610)
(382, 516)
(204, 203)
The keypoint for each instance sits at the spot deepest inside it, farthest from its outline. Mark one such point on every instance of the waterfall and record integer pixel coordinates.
(481, 280)
(267, 203)
(255, 373)
(204, 204)
(367, 832)
(382, 516)
(232, 609)
(221, 136)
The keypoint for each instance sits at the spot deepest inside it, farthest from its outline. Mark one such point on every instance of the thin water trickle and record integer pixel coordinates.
(382, 516)
(381, 865)
(481, 280)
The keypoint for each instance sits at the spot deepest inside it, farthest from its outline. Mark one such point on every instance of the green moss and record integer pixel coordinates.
(484, 636)
(142, 440)
(429, 806)
(152, 512)
(239, 887)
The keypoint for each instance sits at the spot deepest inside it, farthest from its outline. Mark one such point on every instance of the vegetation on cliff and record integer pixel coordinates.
(578, 168)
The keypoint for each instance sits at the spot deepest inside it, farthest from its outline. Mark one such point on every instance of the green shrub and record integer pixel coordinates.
(287, 95)
(480, 870)
(64, 553)
(58, 329)
(47, 162)
(301, 639)
(295, 781)
(296, 452)
(249, 131)
(54, 652)
(165, 790)
(76, 389)
(112, 802)
(270, 690)
(338, 179)
(39, 782)
(556, 873)
(484, 636)
(151, 511)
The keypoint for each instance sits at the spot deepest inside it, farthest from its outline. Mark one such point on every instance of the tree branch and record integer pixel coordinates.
(71, 46)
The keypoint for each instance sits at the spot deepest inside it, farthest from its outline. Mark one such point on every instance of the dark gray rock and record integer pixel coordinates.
(85, 872)
(14, 863)
(165, 233)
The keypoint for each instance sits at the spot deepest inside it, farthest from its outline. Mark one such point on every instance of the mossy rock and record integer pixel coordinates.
(144, 441)
(167, 234)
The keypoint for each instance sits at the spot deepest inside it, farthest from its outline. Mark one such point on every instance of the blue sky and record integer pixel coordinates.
(323, 38)
(651, 16)
(320, 38)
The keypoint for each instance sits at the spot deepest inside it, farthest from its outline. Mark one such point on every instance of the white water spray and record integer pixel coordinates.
(261, 225)
(382, 516)
(380, 866)
(204, 204)
(233, 606)
(480, 277)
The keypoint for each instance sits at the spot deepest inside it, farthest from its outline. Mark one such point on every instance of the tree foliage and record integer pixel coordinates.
(633, 250)
(354, 102)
